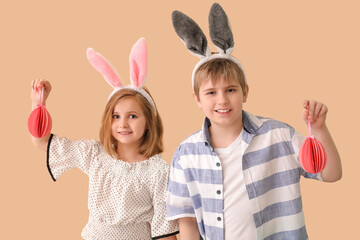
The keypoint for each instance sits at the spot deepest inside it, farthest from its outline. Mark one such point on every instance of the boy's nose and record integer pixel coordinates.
(223, 98)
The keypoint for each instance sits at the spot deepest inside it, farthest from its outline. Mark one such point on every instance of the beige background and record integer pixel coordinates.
(291, 50)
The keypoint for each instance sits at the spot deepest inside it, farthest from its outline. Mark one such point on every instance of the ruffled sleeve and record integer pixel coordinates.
(63, 155)
(160, 227)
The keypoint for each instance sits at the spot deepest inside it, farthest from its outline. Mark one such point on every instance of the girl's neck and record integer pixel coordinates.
(129, 153)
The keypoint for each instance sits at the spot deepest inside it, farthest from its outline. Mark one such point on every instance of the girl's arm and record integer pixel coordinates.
(36, 86)
(188, 229)
(169, 238)
(317, 112)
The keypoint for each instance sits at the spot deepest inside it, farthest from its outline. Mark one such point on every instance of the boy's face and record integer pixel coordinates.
(222, 101)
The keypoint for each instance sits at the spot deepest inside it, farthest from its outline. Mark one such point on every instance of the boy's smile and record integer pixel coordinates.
(221, 101)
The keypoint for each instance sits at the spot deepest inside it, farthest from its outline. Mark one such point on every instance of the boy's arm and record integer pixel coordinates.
(188, 229)
(178, 203)
(317, 112)
(37, 85)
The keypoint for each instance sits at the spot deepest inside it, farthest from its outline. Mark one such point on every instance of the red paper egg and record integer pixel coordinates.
(39, 122)
(312, 155)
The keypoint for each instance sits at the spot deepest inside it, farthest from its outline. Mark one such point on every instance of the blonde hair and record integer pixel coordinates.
(152, 139)
(216, 69)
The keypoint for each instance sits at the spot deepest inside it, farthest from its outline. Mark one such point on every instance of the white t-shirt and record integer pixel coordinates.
(238, 217)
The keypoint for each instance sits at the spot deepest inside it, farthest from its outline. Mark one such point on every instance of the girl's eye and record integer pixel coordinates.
(210, 93)
(133, 116)
(116, 116)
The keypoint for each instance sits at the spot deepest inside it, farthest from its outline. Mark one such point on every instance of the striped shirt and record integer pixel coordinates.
(271, 172)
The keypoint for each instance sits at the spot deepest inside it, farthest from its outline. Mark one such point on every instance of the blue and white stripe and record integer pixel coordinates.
(271, 172)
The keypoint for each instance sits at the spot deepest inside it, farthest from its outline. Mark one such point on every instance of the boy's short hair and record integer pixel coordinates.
(218, 68)
(152, 139)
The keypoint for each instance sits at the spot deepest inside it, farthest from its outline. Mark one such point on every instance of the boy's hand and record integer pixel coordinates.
(36, 86)
(316, 111)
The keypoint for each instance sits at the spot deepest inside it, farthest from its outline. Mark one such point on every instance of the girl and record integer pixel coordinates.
(127, 176)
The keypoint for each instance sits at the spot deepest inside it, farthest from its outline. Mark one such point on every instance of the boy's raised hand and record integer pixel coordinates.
(316, 112)
(36, 86)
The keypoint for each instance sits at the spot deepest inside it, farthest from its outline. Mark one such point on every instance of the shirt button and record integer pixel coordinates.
(218, 164)
(218, 191)
(219, 219)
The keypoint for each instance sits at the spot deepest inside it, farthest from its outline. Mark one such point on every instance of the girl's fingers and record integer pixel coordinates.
(305, 104)
(32, 84)
(38, 84)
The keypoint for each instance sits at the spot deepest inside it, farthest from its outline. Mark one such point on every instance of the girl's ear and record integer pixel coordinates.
(191, 34)
(138, 63)
(104, 68)
(220, 30)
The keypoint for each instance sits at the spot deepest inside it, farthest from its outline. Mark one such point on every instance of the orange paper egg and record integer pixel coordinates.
(312, 155)
(39, 122)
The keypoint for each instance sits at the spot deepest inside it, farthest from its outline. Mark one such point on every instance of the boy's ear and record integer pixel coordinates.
(246, 93)
(197, 100)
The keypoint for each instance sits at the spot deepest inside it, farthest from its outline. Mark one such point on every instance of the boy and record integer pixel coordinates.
(238, 178)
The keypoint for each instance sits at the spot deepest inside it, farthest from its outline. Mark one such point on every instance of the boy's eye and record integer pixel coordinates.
(210, 93)
(116, 116)
(231, 90)
(133, 116)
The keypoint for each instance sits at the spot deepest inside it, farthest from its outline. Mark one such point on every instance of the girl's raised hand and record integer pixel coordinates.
(36, 86)
(316, 112)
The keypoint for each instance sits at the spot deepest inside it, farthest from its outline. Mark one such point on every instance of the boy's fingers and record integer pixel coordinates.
(317, 110)
(312, 106)
(323, 110)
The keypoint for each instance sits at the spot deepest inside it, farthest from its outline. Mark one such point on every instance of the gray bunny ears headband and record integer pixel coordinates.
(138, 69)
(196, 42)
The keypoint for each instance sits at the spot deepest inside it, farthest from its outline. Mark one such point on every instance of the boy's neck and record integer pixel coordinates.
(222, 136)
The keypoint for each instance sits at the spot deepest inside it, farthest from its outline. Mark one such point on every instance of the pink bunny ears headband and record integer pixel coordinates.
(194, 38)
(138, 69)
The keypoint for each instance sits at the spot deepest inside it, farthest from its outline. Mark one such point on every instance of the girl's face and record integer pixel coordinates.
(128, 123)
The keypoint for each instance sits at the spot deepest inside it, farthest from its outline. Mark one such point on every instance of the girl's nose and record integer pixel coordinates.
(123, 122)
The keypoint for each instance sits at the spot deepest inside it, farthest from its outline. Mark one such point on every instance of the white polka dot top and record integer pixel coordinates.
(126, 200)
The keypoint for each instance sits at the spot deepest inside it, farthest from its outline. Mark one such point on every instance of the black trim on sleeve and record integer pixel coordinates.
(47, 158)
(167, 235)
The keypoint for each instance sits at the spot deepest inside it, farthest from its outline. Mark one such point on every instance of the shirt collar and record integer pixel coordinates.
(251, 125)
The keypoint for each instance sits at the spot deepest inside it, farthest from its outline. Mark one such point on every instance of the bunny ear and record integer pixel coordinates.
(138, 63)
(220, 31)
(104, 68)
(190, 33)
